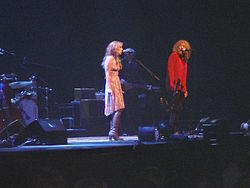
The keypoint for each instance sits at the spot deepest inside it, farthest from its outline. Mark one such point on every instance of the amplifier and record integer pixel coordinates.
(63, 110)
(87, 109)
(84, 93)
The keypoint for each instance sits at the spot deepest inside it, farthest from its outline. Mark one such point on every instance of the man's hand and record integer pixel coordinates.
(186, 94)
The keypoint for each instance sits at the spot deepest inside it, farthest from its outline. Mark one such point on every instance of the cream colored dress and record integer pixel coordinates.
(113, 91)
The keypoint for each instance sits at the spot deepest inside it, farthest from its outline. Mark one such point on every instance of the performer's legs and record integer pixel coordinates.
(114, 125)
(173, 121)
(176, 108)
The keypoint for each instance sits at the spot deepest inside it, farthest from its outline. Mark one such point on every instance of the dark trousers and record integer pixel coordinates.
(177, 101)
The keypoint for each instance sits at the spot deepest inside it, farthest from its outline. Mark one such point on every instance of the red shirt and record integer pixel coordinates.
(177, 69)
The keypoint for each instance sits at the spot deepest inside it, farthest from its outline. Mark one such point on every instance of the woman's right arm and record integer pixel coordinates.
(109, 68)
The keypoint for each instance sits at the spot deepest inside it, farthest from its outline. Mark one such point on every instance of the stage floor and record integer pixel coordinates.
(100, 139)
(83, 143)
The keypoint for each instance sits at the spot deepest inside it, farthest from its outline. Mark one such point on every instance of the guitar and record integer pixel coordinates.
(126, 86)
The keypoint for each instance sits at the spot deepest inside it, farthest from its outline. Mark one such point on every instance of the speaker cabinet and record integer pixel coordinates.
(46, 131)
(88, 114)
(87, 109)
(84, 93)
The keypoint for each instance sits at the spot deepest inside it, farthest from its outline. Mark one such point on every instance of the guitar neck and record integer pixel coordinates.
(133, 86)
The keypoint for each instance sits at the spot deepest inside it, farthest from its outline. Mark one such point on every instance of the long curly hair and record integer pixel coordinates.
(184, 55)
(181, 42)
(111, 51)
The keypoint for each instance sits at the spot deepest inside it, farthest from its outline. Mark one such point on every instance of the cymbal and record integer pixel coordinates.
(20, 84)
(11, 75)
(8, 77)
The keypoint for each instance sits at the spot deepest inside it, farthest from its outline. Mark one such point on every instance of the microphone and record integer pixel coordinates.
(186, 50)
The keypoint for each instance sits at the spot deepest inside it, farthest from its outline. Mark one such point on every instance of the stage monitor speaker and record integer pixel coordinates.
(148, 133)
(216, 129)
(45, 131)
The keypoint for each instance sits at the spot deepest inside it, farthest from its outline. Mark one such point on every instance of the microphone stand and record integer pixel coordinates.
(151, 90)
(30, 62)
(47, 90)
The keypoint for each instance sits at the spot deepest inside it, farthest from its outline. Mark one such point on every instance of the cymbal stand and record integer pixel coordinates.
(47, 90)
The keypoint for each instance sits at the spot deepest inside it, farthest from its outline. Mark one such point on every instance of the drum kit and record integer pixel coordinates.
(19, 99)
(23, 100)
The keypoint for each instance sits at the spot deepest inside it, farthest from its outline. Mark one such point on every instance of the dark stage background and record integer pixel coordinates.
(71, 37)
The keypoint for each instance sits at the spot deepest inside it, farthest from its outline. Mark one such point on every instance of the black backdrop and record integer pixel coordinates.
(72, 36)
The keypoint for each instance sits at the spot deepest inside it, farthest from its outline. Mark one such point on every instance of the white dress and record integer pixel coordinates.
(113, 91)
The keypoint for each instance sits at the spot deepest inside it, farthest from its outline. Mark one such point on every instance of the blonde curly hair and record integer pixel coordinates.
(111, 51)
(184, 55)
(181, 42)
